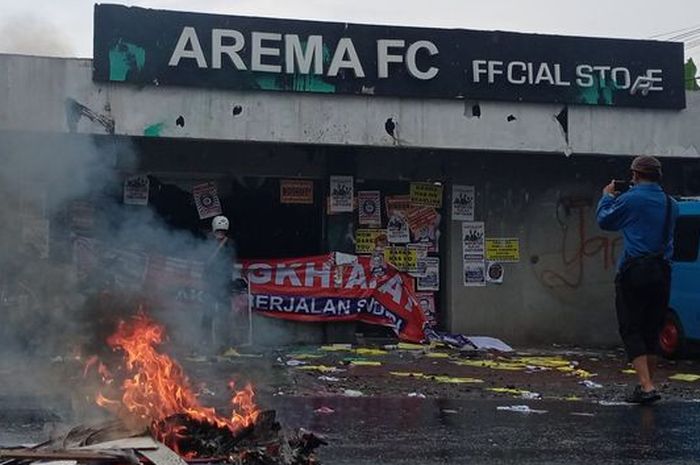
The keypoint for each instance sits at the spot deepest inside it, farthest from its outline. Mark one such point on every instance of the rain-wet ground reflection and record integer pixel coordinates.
(425, 431)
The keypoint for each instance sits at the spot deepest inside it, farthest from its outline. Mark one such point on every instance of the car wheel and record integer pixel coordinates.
(671, 337)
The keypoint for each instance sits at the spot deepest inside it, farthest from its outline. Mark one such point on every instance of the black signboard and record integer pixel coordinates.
(166, 48)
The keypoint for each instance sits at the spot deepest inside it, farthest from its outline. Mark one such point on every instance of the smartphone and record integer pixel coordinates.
(622, 186)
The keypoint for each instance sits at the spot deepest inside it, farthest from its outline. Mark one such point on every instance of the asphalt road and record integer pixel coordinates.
(406, 431)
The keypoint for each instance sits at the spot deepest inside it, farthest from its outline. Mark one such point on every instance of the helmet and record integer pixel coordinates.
(219, 223)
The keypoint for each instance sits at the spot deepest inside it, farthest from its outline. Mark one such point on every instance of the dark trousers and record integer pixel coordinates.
(642, 289)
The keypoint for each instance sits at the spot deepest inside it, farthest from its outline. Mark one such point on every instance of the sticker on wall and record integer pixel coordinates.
(397, 203)
(206, 200)
(503, 249)
(369, 208)
(397, 229)
(296, 192)
(366, 239)
(402, 258)
(426, 300)
(342, 193)
(473, 247)
(474, 273)
(494, 273)
(426, 194)
(463, 203)
(136, 190)
(422, 254)
(431, 280)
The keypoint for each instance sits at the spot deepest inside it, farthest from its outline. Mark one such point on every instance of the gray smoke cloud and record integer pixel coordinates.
(28, 34)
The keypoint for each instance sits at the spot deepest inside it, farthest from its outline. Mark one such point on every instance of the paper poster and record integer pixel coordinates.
(431, 280)
(422, 254)
(365, 240)
(426, 194)
(429, 236)
(426, 300)
(342, 193)
(402, 258)
(421, 217)
(136, 190)
(397, 229)
(474, 273)
(35, 236)
(494, 273)
(463, 203)
(397, 203)
(473, 247)
(297, 192)
(369, 208)
(206, 200)
(503, 249)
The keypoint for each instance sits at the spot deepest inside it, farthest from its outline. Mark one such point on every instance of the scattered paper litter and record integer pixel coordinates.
(590, 384)
(305, 356)
(407, 374)
(331, 379)
(629, 371)
(684, 377)
(583, 414)
(294, 363)
(365, 363)
(321, 368)
(417, 394)
(336, 347)
(437, 355)
(519, 409)
(489, 343)
(324, 410)
(370, 352)
(517, 392)
(352, 393)
(409, 346)
(448, 410)
(613, 403)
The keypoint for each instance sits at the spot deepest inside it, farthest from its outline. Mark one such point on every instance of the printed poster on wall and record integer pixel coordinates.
(422, 254)
(136, 190)
(503, 249)
(463, 203)
(342, 193)
(431, 280)
(365, 240)
(397, 203)
(369, 208)
(474, 273)
(426, 194)
(397, 229)
(207, 200)
(426, 300)
(402, 258)
(494, 272)
(297, 192)
(473, 247)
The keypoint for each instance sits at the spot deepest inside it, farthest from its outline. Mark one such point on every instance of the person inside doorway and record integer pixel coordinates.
(646, 217)
(218, 277)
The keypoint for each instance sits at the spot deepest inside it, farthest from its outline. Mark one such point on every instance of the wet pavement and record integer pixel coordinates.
(372, 430)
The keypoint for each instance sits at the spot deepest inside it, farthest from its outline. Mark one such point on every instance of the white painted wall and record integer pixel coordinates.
(33, 92)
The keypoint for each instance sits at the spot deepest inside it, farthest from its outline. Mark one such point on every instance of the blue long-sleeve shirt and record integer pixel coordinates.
(640, 213)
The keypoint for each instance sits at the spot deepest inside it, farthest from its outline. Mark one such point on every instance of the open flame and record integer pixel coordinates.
(156, 388)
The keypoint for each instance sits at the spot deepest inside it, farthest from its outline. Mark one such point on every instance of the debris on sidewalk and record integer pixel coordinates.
(690, 378)
(590, 384)
(583, 414)
(365, 363)
(516, 392)
(417, 394)
(330, 379)
(321, 368)
(519, 409)
(352, 393)
(324, 410)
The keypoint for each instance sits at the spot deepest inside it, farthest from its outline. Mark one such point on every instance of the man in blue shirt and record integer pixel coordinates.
(646, 216)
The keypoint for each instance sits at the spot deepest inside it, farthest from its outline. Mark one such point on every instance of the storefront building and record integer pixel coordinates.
(485, 150)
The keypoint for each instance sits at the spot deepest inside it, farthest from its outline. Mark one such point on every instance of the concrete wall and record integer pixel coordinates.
(57, 95)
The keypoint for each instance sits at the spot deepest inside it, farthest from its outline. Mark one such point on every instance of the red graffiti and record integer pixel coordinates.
(586, 247)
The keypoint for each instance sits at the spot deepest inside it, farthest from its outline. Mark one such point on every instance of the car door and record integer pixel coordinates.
(685, 289)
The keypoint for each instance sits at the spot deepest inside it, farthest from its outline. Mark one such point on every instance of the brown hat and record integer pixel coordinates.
(646, 164)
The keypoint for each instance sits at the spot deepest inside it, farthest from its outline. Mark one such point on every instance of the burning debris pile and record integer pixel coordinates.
(150, 394)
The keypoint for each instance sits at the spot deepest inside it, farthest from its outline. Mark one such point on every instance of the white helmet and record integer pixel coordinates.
(219, 223)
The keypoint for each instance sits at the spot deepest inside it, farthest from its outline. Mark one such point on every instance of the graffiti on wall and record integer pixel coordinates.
(579, 246)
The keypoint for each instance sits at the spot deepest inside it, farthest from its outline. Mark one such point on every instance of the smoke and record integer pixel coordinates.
(28, 34)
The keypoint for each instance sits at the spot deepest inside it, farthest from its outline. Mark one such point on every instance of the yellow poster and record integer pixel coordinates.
(402, 258)
(426, 194)
(365, 240)
(503, 249)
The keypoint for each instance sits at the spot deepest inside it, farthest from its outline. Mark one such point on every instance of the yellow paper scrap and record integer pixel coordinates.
(491, 364)
(629, 371)
(548, 362)
(406, 374)
(321, 368)
(365, 363)
(437, 355)
(566, 369)
(516, 392)
(409, 346)
(231, 353)
(336, 347)
(685, 377)
(451, 380)
(572, 398)
(583, 373)
(305, 356)
(370, 352)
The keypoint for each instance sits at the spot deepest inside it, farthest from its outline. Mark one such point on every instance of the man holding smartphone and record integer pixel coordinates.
(646, 217)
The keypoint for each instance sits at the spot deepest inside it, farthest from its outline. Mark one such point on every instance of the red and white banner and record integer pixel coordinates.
(311, 289)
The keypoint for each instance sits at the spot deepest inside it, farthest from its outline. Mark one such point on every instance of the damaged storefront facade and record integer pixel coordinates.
(486, 151)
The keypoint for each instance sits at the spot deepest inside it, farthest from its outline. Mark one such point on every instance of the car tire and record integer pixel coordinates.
(671, 338)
